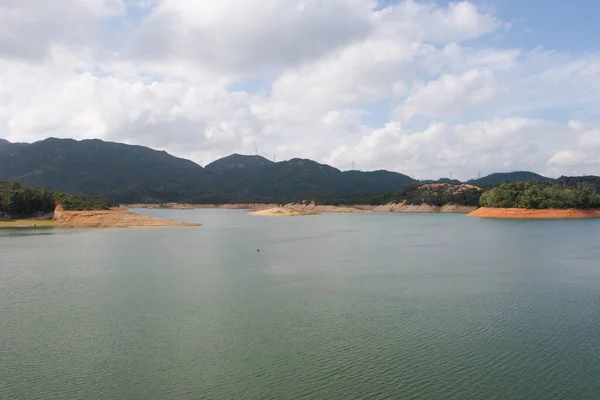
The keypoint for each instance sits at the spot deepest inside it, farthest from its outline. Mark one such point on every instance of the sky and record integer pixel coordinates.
(426, 88)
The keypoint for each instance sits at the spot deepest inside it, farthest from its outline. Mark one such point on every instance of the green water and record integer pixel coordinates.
(385, 306)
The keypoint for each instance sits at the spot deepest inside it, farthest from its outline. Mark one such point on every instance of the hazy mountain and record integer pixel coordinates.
(296, 179)
(112, 170)
(125, 173)
(503, 177)
(238, 161)
(573, 181)
(129, 174)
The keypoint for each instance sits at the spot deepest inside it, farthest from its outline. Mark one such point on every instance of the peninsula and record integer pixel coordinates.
(537, 200)
(30, 207)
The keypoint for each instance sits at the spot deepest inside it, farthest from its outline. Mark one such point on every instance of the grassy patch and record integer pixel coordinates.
(26, 223)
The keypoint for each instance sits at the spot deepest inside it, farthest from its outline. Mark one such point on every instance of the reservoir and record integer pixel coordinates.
(332, 306)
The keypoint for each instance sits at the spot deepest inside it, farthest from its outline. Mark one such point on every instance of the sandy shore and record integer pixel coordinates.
(181, 206)
(523, 213)
(114, 218)
(295, 210)
(312, 209)
(281, 212)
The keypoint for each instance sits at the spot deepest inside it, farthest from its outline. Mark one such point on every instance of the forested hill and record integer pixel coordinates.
(575, 181)
(507, 177)
(18, 201)
(112, 170)
(134, 174)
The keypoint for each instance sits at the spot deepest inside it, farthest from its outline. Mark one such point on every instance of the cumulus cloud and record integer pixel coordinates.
(413, 87)
(246, 36)
(29, 28)
(425, 21)
(581, 155)
(466, 149)
(448, 95)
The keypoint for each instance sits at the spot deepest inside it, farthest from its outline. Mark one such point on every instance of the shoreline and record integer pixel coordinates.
(281, 212)
(113, 218)
(26, 223)
(526, 213)
(312, 209)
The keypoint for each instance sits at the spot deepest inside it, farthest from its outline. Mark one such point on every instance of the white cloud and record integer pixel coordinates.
(427, 22)
(246, 36)
(448, 95)
(415, 87)
(581, 155)
(481, 146)
(29, 28)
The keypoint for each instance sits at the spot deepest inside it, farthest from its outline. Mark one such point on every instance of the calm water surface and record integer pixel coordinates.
(385, 306)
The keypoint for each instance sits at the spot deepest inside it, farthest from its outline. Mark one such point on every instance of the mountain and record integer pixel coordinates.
(131, 174)
(112, 170)
(504, 177)
(573, 181)
(238, 161)
(295, 179)
(135, 174)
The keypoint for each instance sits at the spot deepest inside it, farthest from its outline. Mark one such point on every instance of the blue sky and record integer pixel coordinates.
(571, 26)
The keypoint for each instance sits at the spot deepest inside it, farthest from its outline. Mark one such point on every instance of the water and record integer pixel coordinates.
(386, 306)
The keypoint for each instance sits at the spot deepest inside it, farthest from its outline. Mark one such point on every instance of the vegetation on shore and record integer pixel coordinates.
(18, 201)
(134, 174)
(434, 194)
(540, 195)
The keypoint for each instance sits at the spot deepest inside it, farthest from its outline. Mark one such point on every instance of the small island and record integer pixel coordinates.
(539, 200)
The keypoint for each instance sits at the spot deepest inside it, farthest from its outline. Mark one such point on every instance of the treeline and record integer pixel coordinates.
(538, 195)
(18, 201)
(415, 194)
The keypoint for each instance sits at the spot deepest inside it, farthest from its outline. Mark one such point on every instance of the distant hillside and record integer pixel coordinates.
(574, 181)
(135, 174)
(237, 162)
(504, 177)
(94, 167)
(293, 180)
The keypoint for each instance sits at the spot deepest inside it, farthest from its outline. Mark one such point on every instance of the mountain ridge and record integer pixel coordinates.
(126, 173)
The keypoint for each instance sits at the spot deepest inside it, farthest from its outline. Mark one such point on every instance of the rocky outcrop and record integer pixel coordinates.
(424, 208)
